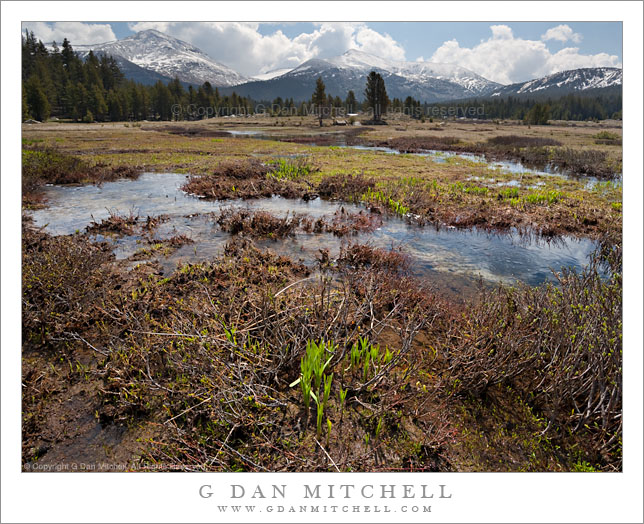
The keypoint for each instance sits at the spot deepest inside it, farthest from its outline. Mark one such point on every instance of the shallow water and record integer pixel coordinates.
(451, 258)
(438, 156)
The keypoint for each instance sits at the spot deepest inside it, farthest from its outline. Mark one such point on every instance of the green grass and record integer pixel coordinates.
(544, 197)
(395, 206)
(477, 190)
(509, 193)
(287, 169)
(606, 135)
(312, 366)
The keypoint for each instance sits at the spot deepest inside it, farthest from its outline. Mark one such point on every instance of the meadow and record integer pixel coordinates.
(256, 359)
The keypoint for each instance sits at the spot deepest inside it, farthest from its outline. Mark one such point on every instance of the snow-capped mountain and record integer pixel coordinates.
(272, 74)
(150, 55)
(169, 57)
(422, 80)
(416, 71)
(564, 81)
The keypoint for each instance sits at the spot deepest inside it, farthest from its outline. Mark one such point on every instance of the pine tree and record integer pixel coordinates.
(97, 103)
(319, 98)
(25, 106)
(67, 53)
(114, 106)
(376, 95)
(37, 101)
(351, 103)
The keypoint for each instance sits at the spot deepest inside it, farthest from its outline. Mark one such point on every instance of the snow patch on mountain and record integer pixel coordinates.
(414, 71)
(169, 57)
(574, 80)
(272, 74)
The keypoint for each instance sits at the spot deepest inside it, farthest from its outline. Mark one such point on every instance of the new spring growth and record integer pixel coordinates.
(312, 366)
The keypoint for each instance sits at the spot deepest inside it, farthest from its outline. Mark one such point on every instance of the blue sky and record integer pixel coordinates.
(502, 51)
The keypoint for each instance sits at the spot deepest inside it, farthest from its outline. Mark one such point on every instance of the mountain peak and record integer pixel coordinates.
(164, 54)
(151, 32)
(567, 81)
(356, 52)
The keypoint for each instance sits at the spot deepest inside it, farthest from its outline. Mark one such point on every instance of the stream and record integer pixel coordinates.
(452, 259)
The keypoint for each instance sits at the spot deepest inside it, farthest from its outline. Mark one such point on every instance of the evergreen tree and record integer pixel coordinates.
(376, 95)
(67, 53)
(25, 106)
(37, 99)
(319, 98)
(351, 103)
(537, 115)
(162, 101)
(97, 103)
(115, 107)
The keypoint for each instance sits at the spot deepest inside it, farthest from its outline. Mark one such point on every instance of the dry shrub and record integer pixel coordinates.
(559, 347)
(179, 240)
(244, 179)
(242, 169)
(345, 186)
(523, 141)
(189, 131)
(533, 152)
(257, 223)
(209, 354)
(152, 222)
(48, 166)
(344, 223)
(364, 256)
(420, 144)
(116, 223)
(64, 280)
(583, 162)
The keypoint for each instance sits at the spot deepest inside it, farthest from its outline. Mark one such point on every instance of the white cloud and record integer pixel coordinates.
(242, 47)
(507, 59)
(561, 33)
(75, 32)
(569, 58)
(501, 32)
(384, 46)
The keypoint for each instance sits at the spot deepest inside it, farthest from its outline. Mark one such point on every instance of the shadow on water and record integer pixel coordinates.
(450, 258)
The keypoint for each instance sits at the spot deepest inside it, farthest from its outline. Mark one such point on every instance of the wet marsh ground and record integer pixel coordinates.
(172, 354)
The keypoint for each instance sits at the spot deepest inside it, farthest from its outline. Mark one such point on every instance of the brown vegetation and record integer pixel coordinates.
(48, 166)
(257, 223)
(533, 152)
(245, 180)
(203, 361)
(199, 370)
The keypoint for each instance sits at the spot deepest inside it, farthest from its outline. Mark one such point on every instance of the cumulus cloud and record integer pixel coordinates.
(242, 47)
(561, 33)
(75, 32)
(506, 59)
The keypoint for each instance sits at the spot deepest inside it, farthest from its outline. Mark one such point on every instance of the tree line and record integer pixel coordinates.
(588, 106)
(58, 83)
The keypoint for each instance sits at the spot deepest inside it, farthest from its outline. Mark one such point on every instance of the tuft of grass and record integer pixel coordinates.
(544, 197)
(476, 190)
(312, 366)
(508, 193)
(290, 169)
(606, 137)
